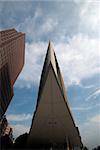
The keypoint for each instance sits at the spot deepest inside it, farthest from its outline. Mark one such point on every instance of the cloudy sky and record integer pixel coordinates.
(74, 28)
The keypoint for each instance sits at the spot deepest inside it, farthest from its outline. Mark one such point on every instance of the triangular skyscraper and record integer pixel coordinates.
(53, 124)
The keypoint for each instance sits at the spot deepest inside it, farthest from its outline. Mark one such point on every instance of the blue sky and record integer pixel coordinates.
(73, 27)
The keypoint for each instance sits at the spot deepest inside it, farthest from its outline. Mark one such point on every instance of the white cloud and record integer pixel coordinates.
(96, 119)
(81, 108)
(38, 13)
(19, 129)
(93, 95)
(48, 26)
(36, 27)
(78, 59)
(19, 117)
(86, 108)
(87, 87)
(90, 16)
(84, 7)
(90, 132)
(33, 64)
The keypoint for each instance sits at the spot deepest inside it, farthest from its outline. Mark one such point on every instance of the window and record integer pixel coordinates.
(5, 86)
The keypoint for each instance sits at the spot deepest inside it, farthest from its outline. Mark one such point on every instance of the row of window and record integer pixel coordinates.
(11, 47)
(11, 41)
(7, 32)
(6, 37)
(5, 86)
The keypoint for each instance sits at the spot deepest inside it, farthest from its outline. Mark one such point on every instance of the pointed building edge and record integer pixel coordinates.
(51, 62)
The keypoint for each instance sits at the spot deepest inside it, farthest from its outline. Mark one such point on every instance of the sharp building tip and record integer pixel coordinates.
(50, 43)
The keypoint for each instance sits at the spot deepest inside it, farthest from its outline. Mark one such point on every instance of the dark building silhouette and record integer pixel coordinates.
(12, 51)
(20, 142)
(53, 124)
(6, 134)
(5, 128)
(6, 143)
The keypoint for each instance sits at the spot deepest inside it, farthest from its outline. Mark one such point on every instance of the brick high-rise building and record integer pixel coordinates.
(12, 50)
